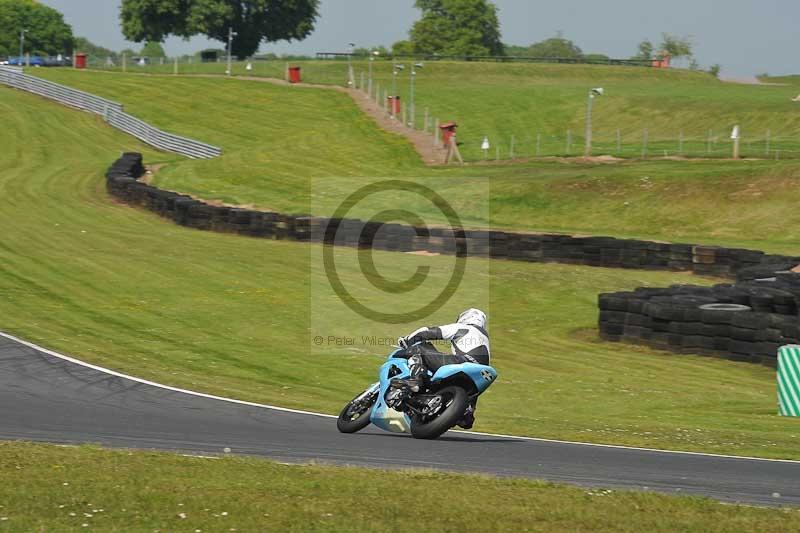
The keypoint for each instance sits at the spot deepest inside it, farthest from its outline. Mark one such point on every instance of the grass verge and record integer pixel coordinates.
(229, 315)
(74, 489)
(544, 104)
(277, 139)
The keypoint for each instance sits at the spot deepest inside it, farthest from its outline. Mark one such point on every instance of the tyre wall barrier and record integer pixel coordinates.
(122, 182)
(669, 318)
(112, 113)
(744, 321)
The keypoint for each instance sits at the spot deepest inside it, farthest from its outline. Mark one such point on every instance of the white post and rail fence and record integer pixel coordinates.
(112, 112)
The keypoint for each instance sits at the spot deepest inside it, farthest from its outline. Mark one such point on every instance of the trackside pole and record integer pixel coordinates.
(789, 380)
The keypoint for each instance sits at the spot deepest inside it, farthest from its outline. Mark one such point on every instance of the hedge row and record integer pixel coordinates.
(678, 318)
(592, 251)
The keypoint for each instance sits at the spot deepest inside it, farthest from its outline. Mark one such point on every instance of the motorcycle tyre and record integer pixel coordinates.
(446, 420)
(345, 425)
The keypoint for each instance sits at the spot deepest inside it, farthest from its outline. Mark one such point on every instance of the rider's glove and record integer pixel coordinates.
(402, 342)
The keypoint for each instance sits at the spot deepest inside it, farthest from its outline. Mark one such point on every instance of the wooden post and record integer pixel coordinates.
(436, 133)
(361, 84)
(425, 129)
(175, 66)
(286, 72)
(452, 151)
(124, 63)
(736, 136)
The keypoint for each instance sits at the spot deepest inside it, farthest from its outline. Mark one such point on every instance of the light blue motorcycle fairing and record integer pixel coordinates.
(382, 415)
(388, 419)
(481, 375)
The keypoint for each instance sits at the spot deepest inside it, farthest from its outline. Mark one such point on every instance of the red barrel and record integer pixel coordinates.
(393, 103)
(80, 60)
(294, 75)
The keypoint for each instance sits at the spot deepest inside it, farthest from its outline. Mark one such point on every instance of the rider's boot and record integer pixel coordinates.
(418, 379)
(468, 419)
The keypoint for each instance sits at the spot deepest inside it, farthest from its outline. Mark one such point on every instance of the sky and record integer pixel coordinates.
(746, 37)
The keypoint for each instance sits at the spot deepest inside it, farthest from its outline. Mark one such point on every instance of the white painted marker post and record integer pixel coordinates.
(735, 135)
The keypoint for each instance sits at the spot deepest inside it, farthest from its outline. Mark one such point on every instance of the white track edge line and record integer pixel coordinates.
(311, 413)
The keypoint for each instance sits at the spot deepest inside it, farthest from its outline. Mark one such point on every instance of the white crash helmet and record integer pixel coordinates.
(473, 317)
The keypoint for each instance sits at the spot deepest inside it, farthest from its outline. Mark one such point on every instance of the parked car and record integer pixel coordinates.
(35, 61)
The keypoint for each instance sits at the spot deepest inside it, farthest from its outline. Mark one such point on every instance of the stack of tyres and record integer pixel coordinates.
(743, 322)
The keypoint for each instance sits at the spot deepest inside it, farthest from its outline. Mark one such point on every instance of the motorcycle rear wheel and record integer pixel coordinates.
(455, 400)
(355, 418)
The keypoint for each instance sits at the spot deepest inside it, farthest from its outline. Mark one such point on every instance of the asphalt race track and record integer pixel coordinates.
(44, 397)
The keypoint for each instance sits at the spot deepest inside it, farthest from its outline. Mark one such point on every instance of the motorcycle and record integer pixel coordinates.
(427, 414)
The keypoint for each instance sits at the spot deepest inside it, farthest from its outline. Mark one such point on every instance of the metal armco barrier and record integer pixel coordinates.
(112, 112)
(789, 380)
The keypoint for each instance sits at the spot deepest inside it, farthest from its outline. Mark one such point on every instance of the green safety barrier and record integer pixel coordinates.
(789, 380)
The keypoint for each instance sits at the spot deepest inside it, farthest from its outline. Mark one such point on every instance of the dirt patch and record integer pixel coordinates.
(422, 141)
(150, 172)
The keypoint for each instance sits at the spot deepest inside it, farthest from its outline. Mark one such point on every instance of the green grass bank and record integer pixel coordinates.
(74, 489)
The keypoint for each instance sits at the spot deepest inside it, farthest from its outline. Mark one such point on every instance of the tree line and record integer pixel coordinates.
(445, 27)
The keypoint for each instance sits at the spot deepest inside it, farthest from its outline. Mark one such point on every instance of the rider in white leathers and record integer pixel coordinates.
(469, 342)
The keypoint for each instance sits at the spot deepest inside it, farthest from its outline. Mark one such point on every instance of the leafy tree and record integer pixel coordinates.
(85, 46)
(515, 50)
(555, 47)
(254, 21)
(362, 51)
(128, 52)
(457, 27)
(48, 34)
(676, 47)
(715, 69)
(645, 52)
(153, 49)
(596, 58)
(403, 48)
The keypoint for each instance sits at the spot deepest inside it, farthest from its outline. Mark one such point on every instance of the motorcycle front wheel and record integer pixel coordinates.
(355, 415)
(455, 402)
